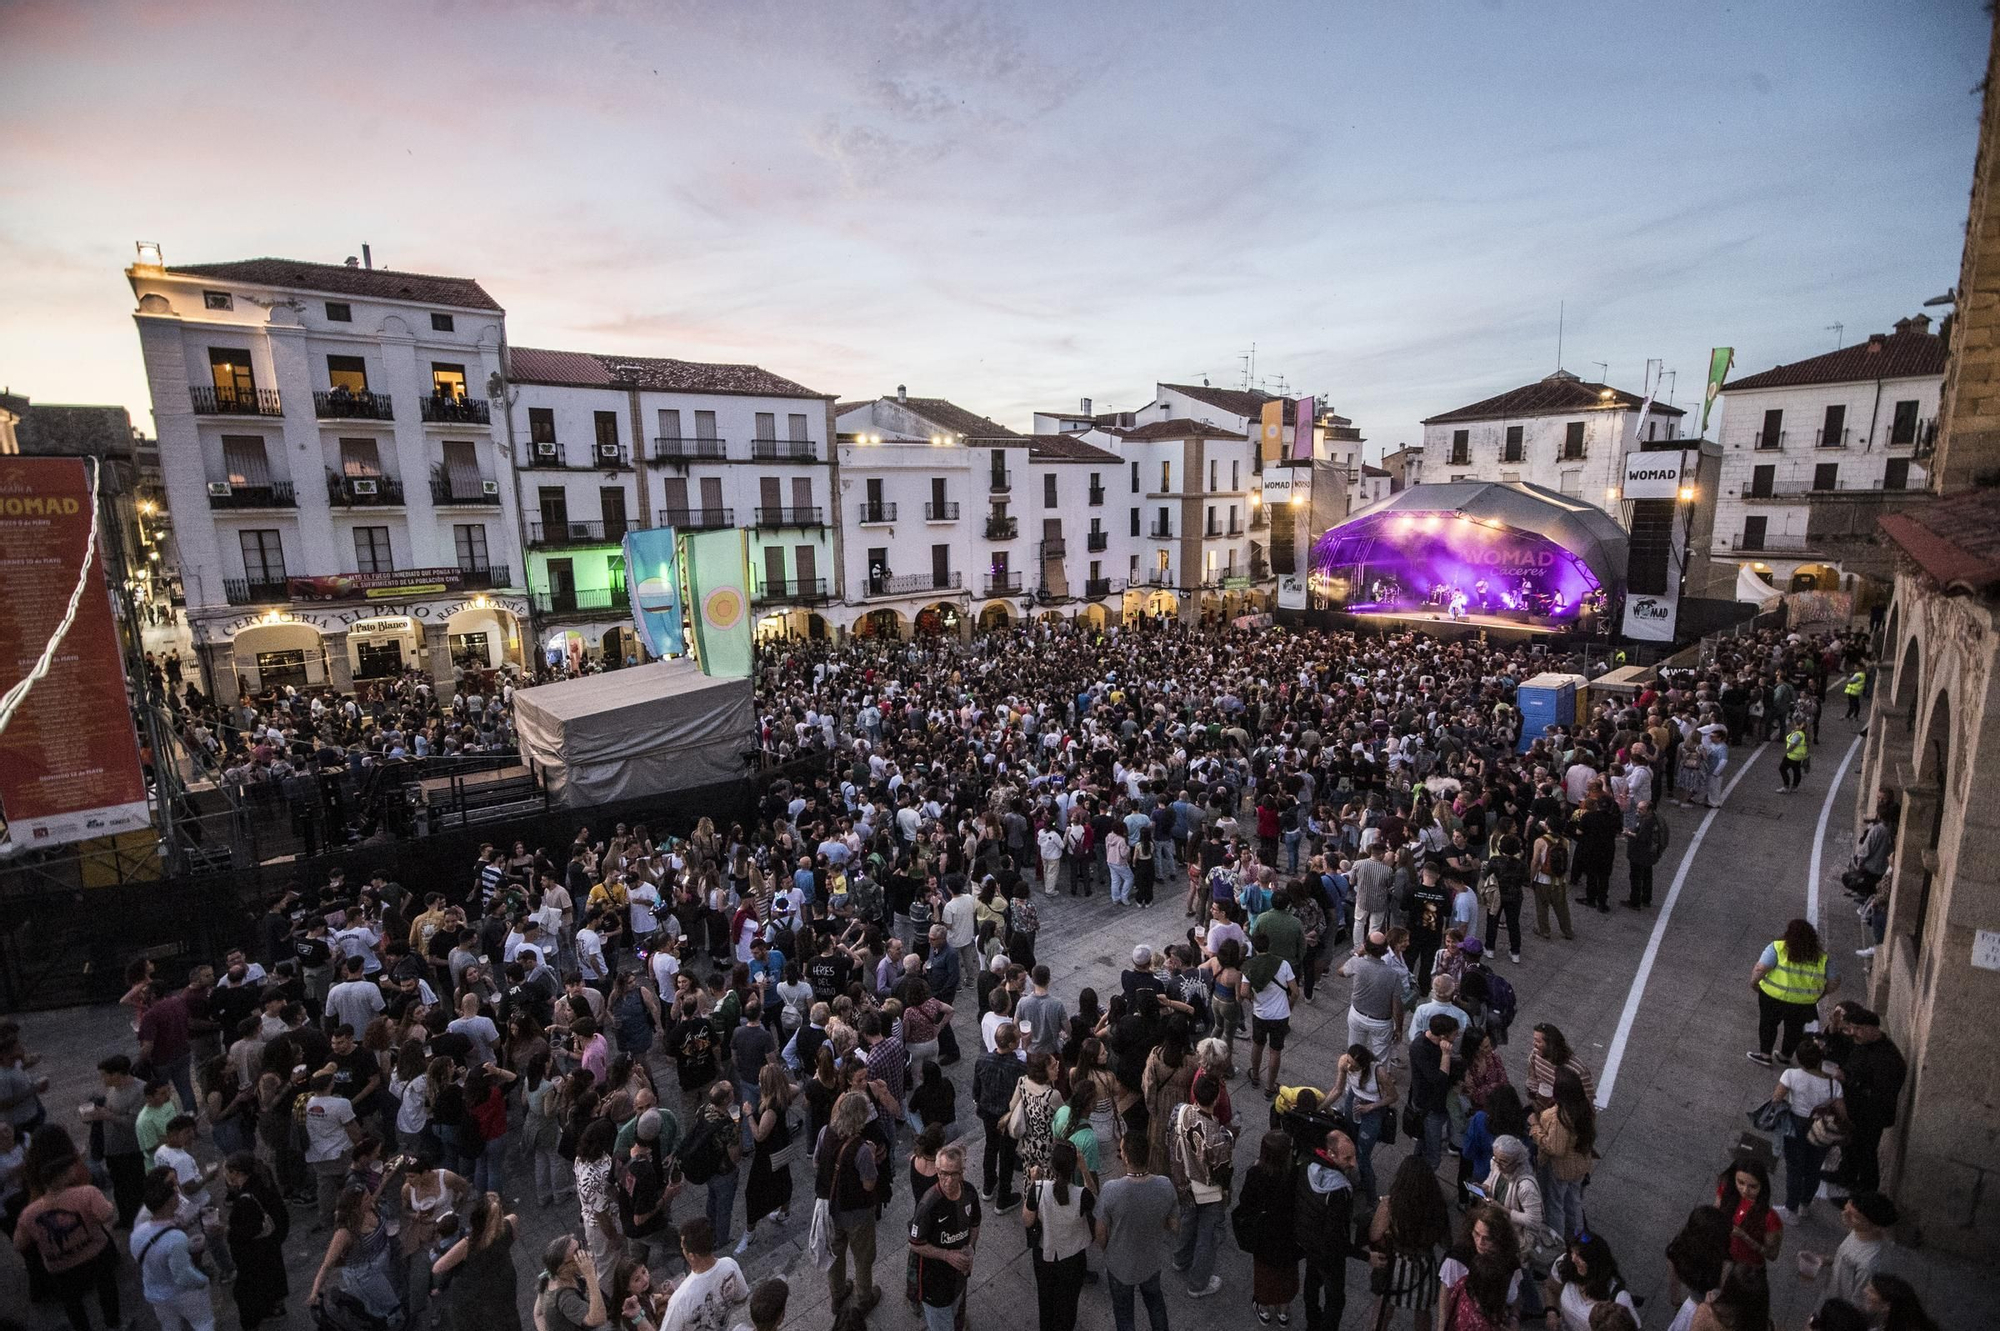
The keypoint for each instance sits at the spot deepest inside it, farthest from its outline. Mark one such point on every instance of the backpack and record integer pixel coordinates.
(1245, 1220)
(1558, 858)
(701, 1155)
(1500, 1000)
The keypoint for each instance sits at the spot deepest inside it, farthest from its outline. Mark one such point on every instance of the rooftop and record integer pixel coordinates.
(1560, 394)
(584, 369)
(336, 279)
(1178, 428)
(948, 417)
(1912, 351)
(1955, 541)
(1068, 448)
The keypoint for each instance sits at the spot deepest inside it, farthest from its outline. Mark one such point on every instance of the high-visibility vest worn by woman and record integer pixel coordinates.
(1795, 981)
(1856, 682)
(1795, 746)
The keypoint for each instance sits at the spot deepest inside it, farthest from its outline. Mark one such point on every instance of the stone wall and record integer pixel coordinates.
(1968, 449)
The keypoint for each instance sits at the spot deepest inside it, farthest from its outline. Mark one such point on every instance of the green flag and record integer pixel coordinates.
(718, 597)
(1719, 361)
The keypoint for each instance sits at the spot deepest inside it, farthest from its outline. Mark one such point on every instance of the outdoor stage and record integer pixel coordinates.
(1497, 628)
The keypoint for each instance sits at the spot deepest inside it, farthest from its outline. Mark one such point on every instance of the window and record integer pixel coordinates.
(874, 492)
(1753, 532)
(605, 423)
(244, 461)
(1896, 476)
(940, 566)
(1235, 473)
(371, 550)
(217, 300)
(348, 372)
(670, 423)
(1166, 478)
(1833, 431)
(1208, 524)
(1135, 516)
(339, 312)
(1049, 491)
(611, 508)
(1903, 430)
(470, 650)
(704, 425)
(937, 495)
(229, 369)
(1761, 480)
(1516, 445)
(796, 423)
(441, 323)
(448, 380)
(1571, 484)
(263, 556)
(1773, 433)
(1826, 476)
(767, 425)
(461, 470)
(1461, 447)
(1135, 478)
(1572, 441)
(470, 538)
(1214, 466)
(541, 425)
(360, 457)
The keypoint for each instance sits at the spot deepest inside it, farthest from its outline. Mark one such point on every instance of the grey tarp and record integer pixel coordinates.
(626, 734)
(1581, 528)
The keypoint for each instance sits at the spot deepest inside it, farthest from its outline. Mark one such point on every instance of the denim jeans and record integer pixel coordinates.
(489, 1173)
(1292, 840)
(940, 1319)
(1201, 1233)
(1802, 1164)
(1121, 1302)
(1121, 883)
(1436, 1124)
(722, 1205)
(1368, 1131)
(1562, 1205)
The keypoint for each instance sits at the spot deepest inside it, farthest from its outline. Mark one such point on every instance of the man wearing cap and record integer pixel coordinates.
(1869, 1217)
(1872, 1072)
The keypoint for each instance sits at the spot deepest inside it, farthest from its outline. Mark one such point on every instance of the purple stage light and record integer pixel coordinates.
(1417, 560)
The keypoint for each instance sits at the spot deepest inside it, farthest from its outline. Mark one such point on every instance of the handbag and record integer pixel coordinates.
(819, 1235)
(1771, 1116)
(1015, 1124)
(1413, 1122)
(1388, 1137)
(1035, 1230)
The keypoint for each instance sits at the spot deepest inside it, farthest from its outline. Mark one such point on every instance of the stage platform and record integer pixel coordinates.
(1438, 624)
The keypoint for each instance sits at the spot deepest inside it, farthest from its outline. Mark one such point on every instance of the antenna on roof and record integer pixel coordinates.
(1839, 330)
(367, 259)
(1249, 359)
(1561, 306)
(1603, 371)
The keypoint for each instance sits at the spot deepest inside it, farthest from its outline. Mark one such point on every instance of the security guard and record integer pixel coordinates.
(1792, 767)
(1789, 978)
(1856, 682)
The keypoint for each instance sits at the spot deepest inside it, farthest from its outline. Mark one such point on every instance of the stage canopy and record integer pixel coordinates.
(644, 730)
(1532, 549)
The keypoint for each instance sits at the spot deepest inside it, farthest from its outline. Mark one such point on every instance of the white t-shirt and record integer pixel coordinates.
(665, 966)
(1454, 1271)
(590, 954)
(988, 1025)
(1274, 1002)
(327, 1117)
(186, 1170)
(708, 1301)
(1574, 1307)
(643, 899)
(1807, 1091)
(415, 1113)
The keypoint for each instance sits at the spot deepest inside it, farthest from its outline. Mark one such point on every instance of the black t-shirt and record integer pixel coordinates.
(1429, 910)
(693, 1048)
(943, 1223)
(639, 1192)
(829, 974)
(352, 1071)
(452, 1045)
(312, 953)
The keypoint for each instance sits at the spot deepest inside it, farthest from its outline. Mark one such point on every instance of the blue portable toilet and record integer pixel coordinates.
(1546, 700)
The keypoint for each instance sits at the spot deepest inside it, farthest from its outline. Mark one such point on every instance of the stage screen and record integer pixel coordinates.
(1414, 561)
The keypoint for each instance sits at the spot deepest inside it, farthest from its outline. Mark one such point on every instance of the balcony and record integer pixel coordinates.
(874, 515)
(1096, 496)
(1922, 437)
(444, 496)
(363, 491)
(588, 601)
(1001, 482)
(1767, 440)
(1002, 529)
(676, 448)
(794, 591)
(342, 404)
(1830, 438)
(215, 401)
(277, 494)
(1260, 569)
(255, 591)
(912, 584)
(1159, 577)
(789, 517)
(1096, 587)
(604, 457)
(543, 453)
(1460, 457)
(1771, 543)
(946, 512)
(577, 533)
(1003, 584)
(1162, 531)
(1055, 547)
(696, 519)
(1260, 517)
(783, 450)
(1235, 527)
(1097, 542)
(486, 579)
(441, 409)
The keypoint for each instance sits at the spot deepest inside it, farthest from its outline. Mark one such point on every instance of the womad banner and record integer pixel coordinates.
(652, 572)
(1271, 445)
(718, 593)
(1652, 616)
(1302, 430)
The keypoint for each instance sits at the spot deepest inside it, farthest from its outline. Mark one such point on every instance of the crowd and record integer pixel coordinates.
(679, 1036)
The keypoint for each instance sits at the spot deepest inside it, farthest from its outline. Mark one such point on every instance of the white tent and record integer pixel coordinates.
(625, 734)
(1750, 587)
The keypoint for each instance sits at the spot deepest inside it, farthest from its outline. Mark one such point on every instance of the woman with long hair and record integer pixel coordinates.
(1365, 1091)
(1269, 1188)
(1893, 1300)
(1168, 1082)
(541, 1130)
(1741, 1302)
(632, 1300)
(486, 1120)
(1039, 1101)
(1791, 977)
(1064, 1212)
(1405, 1238)
(259, 1222)
(1806, 1091)
(769, 1190)
(1756, 1231)
(1480, 1281)
(1073, 1124)
(1565, 1134)
(1697, 1255)
(1587, 1276)
(359, 1259)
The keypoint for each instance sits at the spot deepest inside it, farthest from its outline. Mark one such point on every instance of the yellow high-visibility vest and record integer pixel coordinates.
(1795, 746)
(1793, 981)
(1855, 683)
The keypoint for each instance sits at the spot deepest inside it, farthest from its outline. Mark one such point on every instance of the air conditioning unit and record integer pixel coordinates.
(607, 452)
(546, 452)
(489, 487)
(219, 490)
(365, 487)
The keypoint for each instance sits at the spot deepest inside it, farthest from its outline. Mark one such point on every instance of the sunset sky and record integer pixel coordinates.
(1015, 205)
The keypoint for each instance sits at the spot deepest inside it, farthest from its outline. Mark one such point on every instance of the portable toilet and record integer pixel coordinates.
(1546, 700)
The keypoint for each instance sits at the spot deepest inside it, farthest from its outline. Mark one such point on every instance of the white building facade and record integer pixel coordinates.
(1801, 442)
(341, 508)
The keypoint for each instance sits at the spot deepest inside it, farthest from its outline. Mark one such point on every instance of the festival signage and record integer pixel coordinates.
(652, 573)
(375, 586)
(1655, 475)
(69, 758)
(1302, 430)
(1271, 441)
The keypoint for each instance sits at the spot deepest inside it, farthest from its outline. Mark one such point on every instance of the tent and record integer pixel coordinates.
(626, 734)
(1574, 525)
(1752, 587)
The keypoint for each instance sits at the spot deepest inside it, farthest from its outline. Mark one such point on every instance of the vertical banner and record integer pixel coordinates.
(1271, 443)
(1719, 361)
(69, 760)
(652, 574)
(718, 595)
(1302, 430)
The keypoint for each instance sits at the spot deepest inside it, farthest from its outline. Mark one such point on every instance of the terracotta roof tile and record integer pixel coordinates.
(339, 280)
(955, 419)
(1178, 428)
(1561, 394)
(1955, 541)
(584, 369)
(1899, 355)
(1068, 448)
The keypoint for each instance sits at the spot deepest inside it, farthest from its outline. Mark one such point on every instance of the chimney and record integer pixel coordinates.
(1083, 406)
(902, 393)
(1875, 343)
(1920, 323)
(367, 259)
(353, 262)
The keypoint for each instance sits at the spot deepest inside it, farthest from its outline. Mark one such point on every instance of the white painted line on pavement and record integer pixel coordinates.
(1819, 833)
(1631, 1013)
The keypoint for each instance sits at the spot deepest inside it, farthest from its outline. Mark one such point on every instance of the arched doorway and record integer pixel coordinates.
(882, 623)
(1814, 578)
(938, 620)
(1094, 615)
(1909, 685)
(1933, 762)
(996, 615)
(618, 644)
(280, 653)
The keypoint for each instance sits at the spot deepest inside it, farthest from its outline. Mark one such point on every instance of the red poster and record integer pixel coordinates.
(69, 760)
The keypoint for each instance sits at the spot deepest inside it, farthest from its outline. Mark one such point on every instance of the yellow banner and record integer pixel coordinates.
(1272, 444)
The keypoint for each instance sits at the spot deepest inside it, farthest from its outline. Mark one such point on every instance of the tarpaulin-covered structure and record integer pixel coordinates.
(627, 734)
